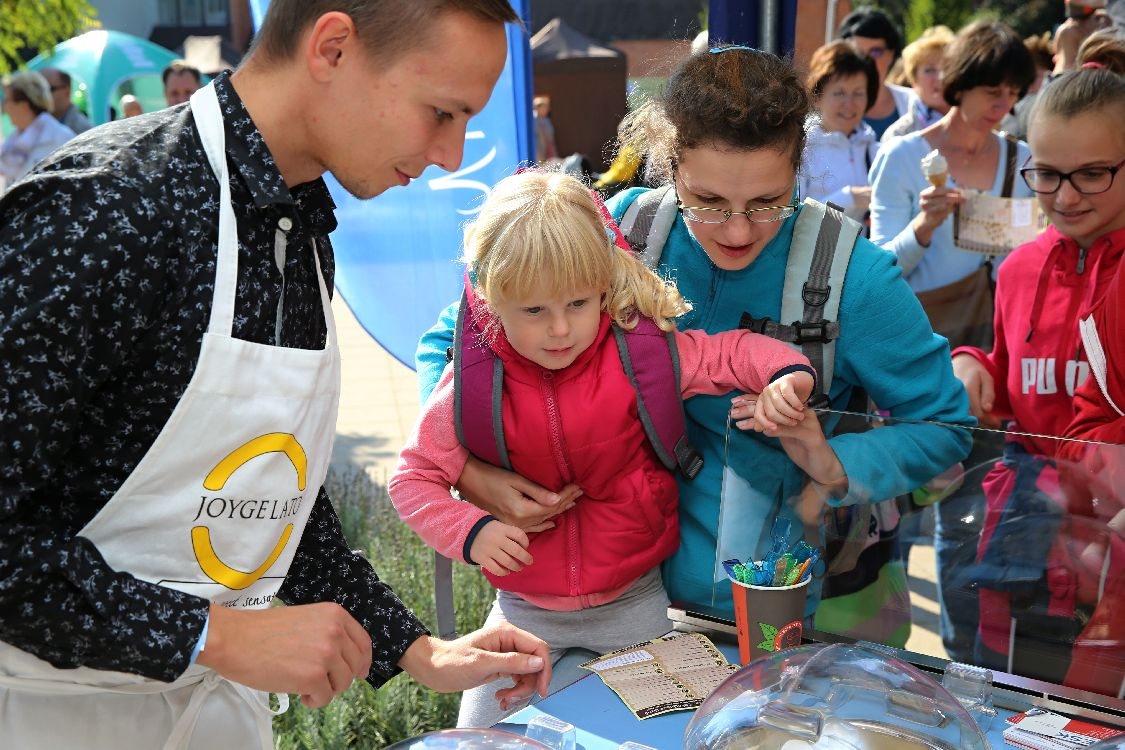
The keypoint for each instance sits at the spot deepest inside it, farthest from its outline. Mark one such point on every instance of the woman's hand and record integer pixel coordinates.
(861, 196)
(980, 386)
(513, 499)
(803, 441)
(935, 205)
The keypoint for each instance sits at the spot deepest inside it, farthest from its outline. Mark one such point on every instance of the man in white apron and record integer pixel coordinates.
(171, 382)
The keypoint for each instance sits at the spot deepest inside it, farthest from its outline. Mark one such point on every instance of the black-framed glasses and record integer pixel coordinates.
(765, 215)
(1087, 180)
(58, 87)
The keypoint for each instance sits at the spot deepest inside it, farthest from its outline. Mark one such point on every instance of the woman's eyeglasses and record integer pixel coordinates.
(766, 215)
(1087, 180)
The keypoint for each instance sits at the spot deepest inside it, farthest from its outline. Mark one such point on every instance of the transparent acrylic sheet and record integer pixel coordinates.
(1014, 560)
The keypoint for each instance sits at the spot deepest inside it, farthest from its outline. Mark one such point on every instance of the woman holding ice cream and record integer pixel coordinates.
(985, 70)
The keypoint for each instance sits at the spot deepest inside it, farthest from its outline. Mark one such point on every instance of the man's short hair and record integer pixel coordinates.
(63, 76)
(181, 66)
(387, 28)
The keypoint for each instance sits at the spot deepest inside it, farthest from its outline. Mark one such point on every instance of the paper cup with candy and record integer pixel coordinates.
(768, 618)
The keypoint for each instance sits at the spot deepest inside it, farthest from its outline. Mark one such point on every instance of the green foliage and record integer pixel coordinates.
(362, 717)
(922, 14)
(39, 25)
(1027, 17)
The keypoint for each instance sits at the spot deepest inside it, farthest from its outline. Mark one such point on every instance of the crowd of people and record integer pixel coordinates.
(791, 265)
(40, 104)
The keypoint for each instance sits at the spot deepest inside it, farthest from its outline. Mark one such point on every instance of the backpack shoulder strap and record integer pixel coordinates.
(814, 282)
(1012, 156)
(652, 365)
(647, 222)
(478, 376)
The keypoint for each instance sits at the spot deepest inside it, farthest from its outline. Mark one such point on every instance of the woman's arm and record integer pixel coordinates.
(887, 347)
(903, 214)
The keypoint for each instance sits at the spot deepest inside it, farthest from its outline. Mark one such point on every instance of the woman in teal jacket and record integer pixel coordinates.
(728, 134)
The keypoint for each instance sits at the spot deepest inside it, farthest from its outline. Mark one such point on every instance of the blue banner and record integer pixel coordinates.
(397, 255)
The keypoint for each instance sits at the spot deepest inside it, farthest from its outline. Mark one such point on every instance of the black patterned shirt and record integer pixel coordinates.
(107, 268)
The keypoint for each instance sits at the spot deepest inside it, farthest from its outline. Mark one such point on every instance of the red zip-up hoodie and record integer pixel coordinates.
(1043, 289)
(1038, 362)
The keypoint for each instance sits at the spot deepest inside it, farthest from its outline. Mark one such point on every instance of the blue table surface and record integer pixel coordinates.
(602, 721)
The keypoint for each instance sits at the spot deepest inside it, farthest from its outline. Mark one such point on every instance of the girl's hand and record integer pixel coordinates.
(500, 549)
(980, 387)
(780, 404)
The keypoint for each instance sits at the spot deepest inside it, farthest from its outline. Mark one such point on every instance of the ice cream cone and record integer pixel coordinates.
(935, 168)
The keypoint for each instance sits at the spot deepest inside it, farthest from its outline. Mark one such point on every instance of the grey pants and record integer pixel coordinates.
(640, 614)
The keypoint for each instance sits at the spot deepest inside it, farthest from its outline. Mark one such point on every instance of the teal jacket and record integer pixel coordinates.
(885, 346)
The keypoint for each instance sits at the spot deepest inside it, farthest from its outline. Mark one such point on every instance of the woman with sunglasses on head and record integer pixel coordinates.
(873, 34)
(727, 138)
(1044, 289)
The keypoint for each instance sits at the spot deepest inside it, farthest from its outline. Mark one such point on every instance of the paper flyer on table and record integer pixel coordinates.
(673, 673)
(995, 226)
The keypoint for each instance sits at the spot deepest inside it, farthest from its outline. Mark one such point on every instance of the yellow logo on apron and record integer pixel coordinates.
(209, 561)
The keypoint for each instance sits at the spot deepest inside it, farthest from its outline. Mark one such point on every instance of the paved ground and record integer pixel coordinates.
(378, 406)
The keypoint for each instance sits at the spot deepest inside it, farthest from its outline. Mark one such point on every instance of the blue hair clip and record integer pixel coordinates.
(718, 50)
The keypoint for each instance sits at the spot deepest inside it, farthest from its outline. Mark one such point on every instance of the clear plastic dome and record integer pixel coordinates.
(831, 697)
(468, 739)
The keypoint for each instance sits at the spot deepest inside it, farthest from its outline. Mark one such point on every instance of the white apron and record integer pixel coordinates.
(215, 508)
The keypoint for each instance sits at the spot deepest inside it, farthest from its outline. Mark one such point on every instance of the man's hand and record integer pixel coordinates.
(500, 548)
(314, 650)
(513, 499)
(480, 657)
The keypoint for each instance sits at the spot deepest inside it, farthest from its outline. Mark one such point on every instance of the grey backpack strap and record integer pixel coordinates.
(1011, 154)
(647, 222)
(823, 239)
(443, 596)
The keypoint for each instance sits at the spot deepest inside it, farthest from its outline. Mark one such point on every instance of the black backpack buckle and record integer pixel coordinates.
(811, 333)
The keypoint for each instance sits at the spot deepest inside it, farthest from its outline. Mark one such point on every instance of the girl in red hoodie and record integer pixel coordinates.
(548, 287)
(1035, 596)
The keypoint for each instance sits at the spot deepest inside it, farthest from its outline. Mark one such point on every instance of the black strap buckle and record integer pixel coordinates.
(749, 323)
(810, 333)
(689, 459)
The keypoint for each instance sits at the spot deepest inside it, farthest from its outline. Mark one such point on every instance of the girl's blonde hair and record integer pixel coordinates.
(545, 228)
